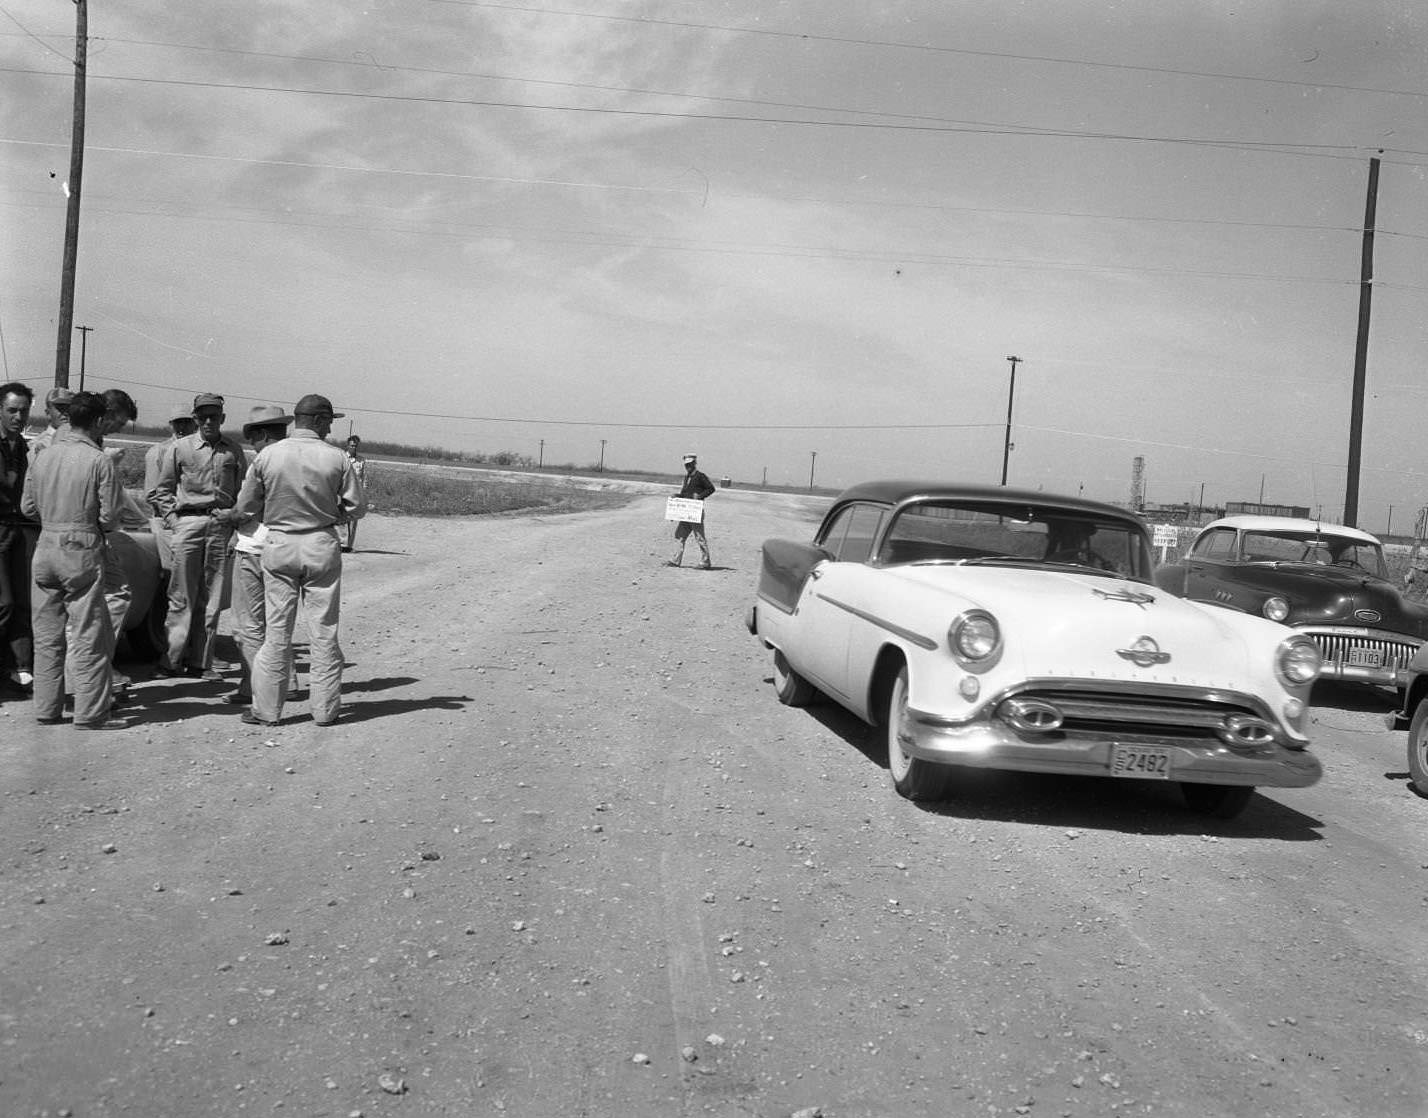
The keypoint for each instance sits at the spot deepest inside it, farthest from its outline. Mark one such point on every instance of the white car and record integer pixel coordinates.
(1000, 628)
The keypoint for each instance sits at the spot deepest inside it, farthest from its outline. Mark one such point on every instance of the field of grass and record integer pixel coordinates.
(411, 492)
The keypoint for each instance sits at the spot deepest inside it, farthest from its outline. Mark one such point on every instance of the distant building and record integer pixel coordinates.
(1254, 508)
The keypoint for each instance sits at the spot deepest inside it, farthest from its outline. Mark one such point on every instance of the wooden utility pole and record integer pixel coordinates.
(84, 332)
(1011, 396)
(71, 222)
(1356, 411)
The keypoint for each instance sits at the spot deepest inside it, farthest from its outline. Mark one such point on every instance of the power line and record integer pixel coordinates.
(592, 239)
(1272, 147)
(803, 36)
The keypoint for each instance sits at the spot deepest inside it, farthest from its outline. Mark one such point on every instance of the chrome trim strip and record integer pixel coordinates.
(897, 630)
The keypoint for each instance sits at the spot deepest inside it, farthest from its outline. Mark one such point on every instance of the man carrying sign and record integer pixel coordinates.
(696, 487)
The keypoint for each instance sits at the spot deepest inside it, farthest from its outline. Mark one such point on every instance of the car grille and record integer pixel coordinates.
(1189, 719)
(1393, 654)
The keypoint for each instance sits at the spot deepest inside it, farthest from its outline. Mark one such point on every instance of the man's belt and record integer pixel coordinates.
(194, 512)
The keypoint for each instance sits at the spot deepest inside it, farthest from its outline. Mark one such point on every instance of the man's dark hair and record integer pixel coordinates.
(119, 402)
(85, 410)
(355, 439)
(15, 388)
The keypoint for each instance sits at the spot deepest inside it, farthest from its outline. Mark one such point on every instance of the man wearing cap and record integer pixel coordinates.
(199, 479)
(74, 493)
(301, 488)
(181, 423)
(56, 415)
(696, 487)
(17, 539)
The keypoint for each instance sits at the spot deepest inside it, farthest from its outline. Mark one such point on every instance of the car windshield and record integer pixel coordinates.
(1316, 549)
(978, 532)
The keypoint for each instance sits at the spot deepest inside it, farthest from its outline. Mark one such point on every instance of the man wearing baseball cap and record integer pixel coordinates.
(696, 487)
(199, 479)
(301, 488)
(57, 402)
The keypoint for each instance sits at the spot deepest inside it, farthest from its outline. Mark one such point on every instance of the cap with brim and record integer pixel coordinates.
(178, 412)
(207, 400)
(61, 397)
(265, 415)
(690, 458)
(313, 404)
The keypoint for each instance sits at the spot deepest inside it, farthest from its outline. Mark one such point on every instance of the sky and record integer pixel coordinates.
(799, 239)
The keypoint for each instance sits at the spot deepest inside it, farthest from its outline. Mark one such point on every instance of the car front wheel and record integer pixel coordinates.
(1223, 801)
(1418, 748)
(792, 689)
(913, 777)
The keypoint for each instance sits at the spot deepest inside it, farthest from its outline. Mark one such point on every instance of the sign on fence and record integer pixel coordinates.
(1165, 537)
(684, 508)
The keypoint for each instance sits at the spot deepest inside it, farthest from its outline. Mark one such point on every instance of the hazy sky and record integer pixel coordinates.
(755, 229)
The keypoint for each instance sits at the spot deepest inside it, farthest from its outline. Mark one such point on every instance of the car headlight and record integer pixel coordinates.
(1298, 661)
(975, 639)
(1276, 608)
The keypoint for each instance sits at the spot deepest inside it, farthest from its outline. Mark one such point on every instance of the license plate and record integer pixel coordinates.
(1365, 658)
(1142, 762)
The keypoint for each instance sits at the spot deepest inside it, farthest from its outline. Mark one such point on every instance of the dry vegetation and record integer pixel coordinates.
(413, 492)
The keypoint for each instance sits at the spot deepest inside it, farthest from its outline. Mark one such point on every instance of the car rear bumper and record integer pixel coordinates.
(994, 745)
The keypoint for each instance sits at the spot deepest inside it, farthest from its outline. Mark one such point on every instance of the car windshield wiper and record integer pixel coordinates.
(978, 560)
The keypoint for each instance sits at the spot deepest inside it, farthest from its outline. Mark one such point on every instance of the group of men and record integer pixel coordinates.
(268, 531)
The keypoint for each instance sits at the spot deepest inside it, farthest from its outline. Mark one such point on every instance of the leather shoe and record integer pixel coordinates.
(237, 698)
(251, 719)
(104, 724)
(51, 721)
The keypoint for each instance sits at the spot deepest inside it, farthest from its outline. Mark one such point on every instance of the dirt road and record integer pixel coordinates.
(566, 855)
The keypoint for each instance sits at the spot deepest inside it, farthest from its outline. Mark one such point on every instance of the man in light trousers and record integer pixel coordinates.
(199, 479)
(75, 494)
(301, 488)
(266, 424)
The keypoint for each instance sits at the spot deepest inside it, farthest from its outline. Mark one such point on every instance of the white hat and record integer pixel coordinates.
(690, 458)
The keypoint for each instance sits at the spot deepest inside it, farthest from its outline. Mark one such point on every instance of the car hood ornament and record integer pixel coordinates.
(1144, 653)
(1134, 597)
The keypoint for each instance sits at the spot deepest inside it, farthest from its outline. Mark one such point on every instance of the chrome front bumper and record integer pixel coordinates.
(991, 744)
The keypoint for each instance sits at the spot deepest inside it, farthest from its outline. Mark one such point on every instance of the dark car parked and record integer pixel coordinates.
(1328, 581)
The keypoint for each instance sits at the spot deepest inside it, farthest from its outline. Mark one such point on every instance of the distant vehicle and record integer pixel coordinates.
(1329, 582)
(997, 628)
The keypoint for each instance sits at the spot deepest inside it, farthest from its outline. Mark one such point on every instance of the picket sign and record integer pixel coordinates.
(684, 508)
(1165, 537)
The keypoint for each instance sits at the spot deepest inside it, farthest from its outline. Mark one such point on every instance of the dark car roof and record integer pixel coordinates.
(897, 490)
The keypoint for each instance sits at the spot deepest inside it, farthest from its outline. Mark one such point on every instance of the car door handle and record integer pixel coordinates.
(815, 574)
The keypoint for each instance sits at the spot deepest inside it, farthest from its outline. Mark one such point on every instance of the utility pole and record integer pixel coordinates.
(1356, 410)
(71, 221)
(765, 482)
(812, 461)
(84, 348)
(602, 456)
(541, 463)
(1011, 395)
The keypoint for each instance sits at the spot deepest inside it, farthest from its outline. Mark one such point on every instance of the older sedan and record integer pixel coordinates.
(1328, 581)
(999, 628)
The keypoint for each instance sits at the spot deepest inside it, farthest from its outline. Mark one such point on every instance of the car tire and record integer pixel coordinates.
(1223, 801)
(790, 687)
(1418, 748)
(915, 779)
(148, 640)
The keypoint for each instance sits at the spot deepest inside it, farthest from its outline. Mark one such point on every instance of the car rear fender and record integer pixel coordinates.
(785, 569)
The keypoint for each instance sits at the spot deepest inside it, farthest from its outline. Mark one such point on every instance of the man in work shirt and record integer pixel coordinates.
(56, 414)
(301, 488)
(266, 424)
(74, 492)
(199, 479)
(181, 423)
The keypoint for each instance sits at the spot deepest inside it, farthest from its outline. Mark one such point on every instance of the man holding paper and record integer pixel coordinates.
(696, 487)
